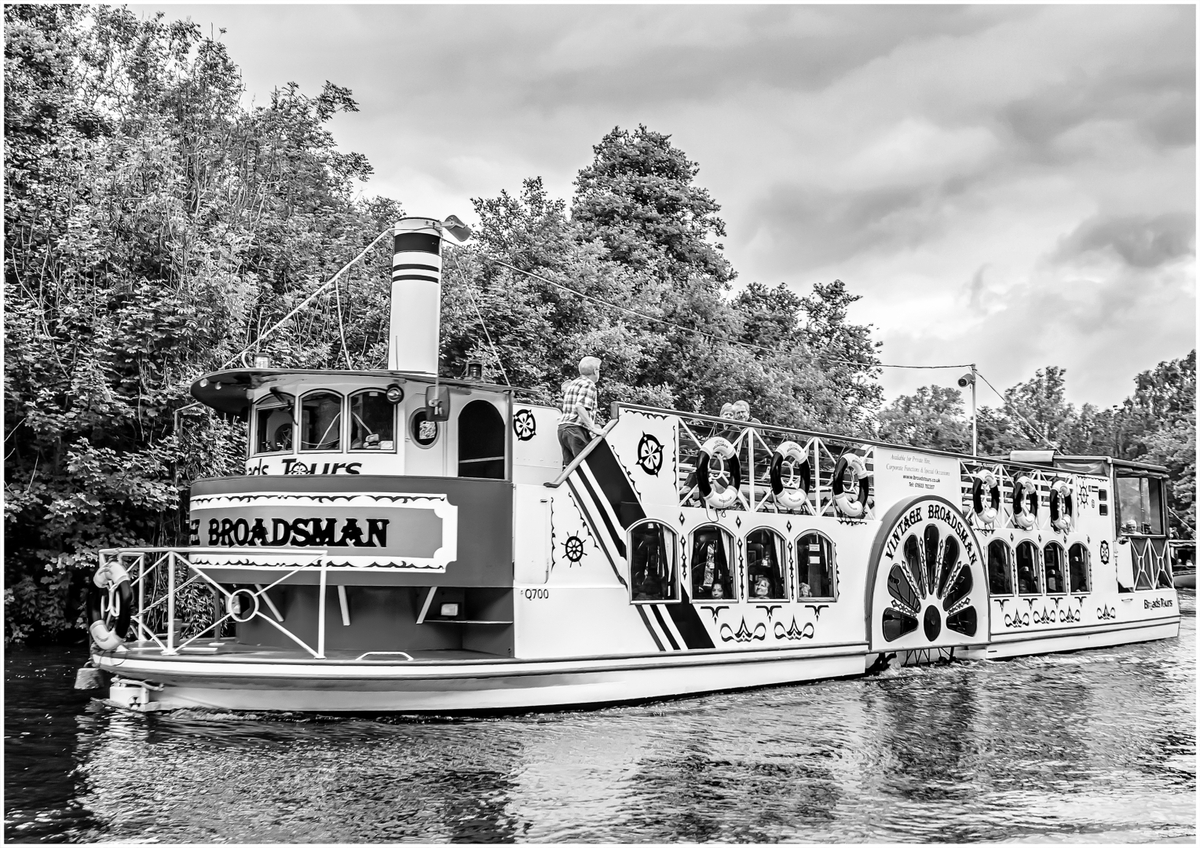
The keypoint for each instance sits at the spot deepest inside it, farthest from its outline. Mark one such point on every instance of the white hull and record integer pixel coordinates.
(1075, 639)
(462, 686)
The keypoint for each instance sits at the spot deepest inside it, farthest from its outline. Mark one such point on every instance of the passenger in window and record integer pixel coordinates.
(709, 569)
(283, 438)
(718, 592)
(761, 587)
(647, 588)
(1025, 581)
(804, 590)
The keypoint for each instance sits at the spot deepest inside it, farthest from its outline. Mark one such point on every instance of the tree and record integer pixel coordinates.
(638, 197)
(932, 418)
(153, 227)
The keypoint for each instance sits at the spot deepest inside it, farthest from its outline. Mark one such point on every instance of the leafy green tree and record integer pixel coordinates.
(153, 227)
(932, 417)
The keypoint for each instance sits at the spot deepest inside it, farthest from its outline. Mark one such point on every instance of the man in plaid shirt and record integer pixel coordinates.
(578, 422)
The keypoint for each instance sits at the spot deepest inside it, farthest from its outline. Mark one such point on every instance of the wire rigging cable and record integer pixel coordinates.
(495, 352)
(1012, 409)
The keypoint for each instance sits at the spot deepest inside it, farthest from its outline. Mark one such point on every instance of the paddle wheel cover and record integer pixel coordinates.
(926, 586)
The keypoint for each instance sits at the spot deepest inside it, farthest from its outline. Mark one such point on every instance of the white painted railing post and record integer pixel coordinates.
(321, 615)
(170, 602)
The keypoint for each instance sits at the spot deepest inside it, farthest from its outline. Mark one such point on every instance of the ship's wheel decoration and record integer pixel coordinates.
(930, 586)
(573, 548)
(298, 468)
(1104, 553)
(524, 425)
(650, 454)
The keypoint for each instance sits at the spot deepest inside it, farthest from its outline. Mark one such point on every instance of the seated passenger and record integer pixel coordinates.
(760, 587)
(804, 590)
(647, 589)
(718, 592)
(1025, 581)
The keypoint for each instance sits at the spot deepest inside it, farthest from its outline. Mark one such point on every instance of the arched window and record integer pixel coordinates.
(372, 421)
(652, 572)
(1000, 580)
(1029, 573)
(480, 441)
(1055, 582)
(274, 423)
(1077, 565)
(766, 566)
(815, 566)
(321, 421)
(709, 575)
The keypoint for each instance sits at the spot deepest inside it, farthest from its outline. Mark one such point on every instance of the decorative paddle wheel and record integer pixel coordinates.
(928, 593)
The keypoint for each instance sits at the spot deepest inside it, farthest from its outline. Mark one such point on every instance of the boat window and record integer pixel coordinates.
(321, 421)
(1029, 575)
(1139, 505)
(709, 568)
(372, 421)
(766, 570)
(1053, 556)
(481, 438)
(652, 562)
(814, 566)
(274, 423)
(1077, 565)
(1000, 580)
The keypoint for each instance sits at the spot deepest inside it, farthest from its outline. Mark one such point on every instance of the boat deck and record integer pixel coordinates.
(231, 649)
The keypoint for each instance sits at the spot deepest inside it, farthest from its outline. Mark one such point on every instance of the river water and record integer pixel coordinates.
(1097, 746)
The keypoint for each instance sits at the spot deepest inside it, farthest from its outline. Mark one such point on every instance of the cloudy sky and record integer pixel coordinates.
(1013, 186)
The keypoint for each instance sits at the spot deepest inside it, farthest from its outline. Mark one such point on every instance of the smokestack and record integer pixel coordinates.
(415, 330)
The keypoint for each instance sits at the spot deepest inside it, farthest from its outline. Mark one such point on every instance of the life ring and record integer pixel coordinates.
(1025, 503)
(1062, 506)
(986, 481)
(847, 504)
(721, 448)
(112, 577)
(787, 497)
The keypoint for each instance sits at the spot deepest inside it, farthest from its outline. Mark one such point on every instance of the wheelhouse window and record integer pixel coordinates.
(1139, 505)
(1000, 580)
(814, 566)
(321, 421)
(1053, 557)
(652, 573)
(372, 421)
(1077, 568)
(766, 570)
(274, 423)
(709, 568)
(1029, 575)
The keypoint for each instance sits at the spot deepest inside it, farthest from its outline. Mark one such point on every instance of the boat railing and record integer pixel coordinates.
(177, 603)
(582, 455)
(754, 444)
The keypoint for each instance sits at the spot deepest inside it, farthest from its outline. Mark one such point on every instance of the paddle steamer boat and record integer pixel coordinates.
(404, 542)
